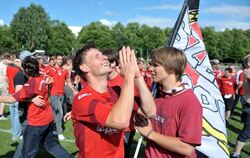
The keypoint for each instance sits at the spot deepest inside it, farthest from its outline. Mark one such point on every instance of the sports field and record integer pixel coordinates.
(7, 146)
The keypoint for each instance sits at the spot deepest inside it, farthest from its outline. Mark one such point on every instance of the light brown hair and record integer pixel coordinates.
(173, 60)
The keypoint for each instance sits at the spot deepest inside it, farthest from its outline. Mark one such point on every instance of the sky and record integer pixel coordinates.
(219, 14)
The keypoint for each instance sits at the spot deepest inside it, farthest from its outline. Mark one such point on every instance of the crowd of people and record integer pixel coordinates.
(107, 96)
(234, 87)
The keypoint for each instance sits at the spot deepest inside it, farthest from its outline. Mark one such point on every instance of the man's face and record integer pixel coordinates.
(158, 73)
(97, 63)
(59, 60)
(228, 74)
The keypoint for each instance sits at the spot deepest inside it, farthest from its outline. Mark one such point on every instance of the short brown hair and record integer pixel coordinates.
(172, 60)
(7, 56)
(79, 59)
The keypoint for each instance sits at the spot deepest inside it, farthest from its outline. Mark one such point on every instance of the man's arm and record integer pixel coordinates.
(69, 83)
(147, 101)
(7, 99)
(120, 115)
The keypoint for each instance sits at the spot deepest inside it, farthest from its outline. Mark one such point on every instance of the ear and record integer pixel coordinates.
(84, 68)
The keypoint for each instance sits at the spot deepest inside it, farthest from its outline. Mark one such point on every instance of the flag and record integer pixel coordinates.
(186, 36)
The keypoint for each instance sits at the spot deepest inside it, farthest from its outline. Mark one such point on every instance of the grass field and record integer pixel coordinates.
(7, 146)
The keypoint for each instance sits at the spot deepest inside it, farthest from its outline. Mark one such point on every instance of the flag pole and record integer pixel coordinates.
(170, 43)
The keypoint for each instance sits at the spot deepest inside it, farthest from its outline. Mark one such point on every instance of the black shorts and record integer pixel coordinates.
(229, 103)
(245, 118)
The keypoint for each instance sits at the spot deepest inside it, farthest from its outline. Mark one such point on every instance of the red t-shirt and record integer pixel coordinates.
(90, 110)
(227, 85)
(11, 72)
(241, 90)
(59, 75)
(42, 69)
(177, 116)
(37, 116)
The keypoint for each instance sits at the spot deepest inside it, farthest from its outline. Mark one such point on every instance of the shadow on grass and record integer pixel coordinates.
(233, 128)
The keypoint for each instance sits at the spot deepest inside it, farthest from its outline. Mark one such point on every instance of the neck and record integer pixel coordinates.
(99, 84)
(170, 83)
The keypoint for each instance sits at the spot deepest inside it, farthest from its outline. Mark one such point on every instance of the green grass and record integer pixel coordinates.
(7, 146)
(233, 130)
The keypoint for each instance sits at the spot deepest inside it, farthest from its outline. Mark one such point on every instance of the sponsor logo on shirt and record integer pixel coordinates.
(159, 118)
(106, 130)
(83, 95)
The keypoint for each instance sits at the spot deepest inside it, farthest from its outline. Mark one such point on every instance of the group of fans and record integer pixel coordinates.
(234, 87)
(107, 96)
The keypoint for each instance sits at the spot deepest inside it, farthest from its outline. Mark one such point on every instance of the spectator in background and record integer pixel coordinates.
(60, 76)
(227, 88)
(40, 117)
(11, 72)
(3, 85)
(215, 63)
(244, 135)
(239, 92)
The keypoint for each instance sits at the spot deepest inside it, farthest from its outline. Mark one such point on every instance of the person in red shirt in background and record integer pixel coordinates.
(98, 114)
(40, 117)
(148, 76)
(11, 72)
(227, 88)
(239, 92)
(60, 76)
(215, 63)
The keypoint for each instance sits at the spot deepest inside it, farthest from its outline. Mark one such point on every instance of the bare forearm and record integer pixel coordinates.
(7, 99)
(120, 114)
(147, 100)
(172, 144)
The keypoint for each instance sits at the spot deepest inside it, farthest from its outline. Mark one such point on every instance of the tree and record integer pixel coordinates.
(152, 37)
(134, 34)
(62, 40)
(31, 27)
(7, 42)
(97, 33)
(210, 38)
(118, 33)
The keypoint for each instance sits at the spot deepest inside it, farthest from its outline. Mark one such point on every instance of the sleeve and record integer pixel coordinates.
(26, 92)
(19, 79)
(241, 77)
(92, 111)
(190, 129)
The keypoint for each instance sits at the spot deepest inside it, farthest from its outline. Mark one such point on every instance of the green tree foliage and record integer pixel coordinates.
(97, 33)
(152, 37)
(210, 38)
(62, 40)
(7, 42)
(31, 27)
(119, 35)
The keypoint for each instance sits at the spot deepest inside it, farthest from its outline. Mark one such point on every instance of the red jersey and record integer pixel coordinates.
(37, 116)
(90, 110)
(177, 116)
(42, 69)
(11, 72)
(59, 75)
(227, 85)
